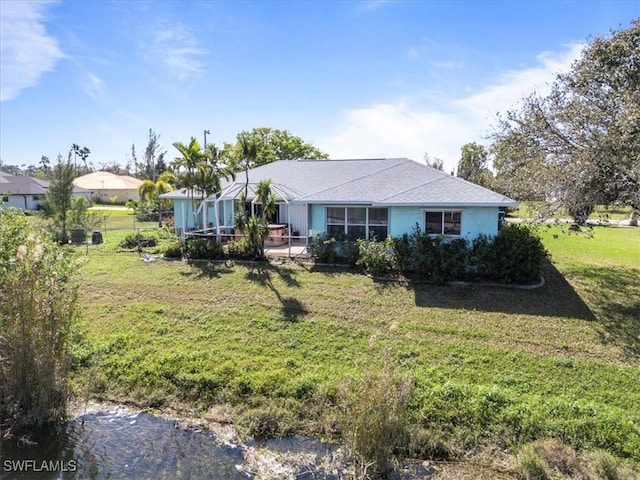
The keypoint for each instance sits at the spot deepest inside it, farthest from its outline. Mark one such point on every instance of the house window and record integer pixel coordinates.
(443, 223)
(378, 223)
(357, 222)
(336, 221)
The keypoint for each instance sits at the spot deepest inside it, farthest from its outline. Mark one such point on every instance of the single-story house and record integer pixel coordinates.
(359, 198)
(109, 187)
(28, 193)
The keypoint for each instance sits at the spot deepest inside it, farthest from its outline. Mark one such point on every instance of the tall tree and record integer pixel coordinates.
(581, 143)
(201, 171)
(473, 164)
(265, 145)
(153, 164)
(58, 199)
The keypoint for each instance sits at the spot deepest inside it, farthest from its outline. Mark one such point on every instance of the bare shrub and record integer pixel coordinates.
(375, 418)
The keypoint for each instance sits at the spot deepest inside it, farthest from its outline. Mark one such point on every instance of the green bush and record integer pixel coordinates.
(514, 256)
(424, 258)
(519, 253)
(378, 258)
(173, 250)
(323, 249)
(481, 257)
(134, 240)
(205, 249)
(239, 249)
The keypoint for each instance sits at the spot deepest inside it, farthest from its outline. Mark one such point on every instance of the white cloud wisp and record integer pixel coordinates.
(26, 51)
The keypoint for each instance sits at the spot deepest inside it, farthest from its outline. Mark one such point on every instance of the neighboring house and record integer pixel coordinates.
(28, 193)
(108, 187)
(357, 198)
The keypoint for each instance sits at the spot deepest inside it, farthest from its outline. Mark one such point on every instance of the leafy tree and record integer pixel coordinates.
(59, 194)
(38, 295)
(580, 143)
(473, 165)
(150, 191)
(81, 217)
(265, 145)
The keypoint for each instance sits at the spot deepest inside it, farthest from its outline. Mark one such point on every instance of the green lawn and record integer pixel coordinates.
(601, 212)
(490, 365)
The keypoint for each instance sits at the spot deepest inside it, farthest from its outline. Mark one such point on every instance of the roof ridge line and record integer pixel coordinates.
(361, 177)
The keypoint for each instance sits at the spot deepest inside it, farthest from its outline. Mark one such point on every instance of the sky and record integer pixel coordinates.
(358, 79)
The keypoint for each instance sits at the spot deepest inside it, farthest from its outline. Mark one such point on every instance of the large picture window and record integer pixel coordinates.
(443, 223)
(357, 222)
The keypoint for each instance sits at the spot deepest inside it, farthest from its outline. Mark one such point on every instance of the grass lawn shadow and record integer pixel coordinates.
(556, 298)
(615, 294)
(205, 269)
(291, 308)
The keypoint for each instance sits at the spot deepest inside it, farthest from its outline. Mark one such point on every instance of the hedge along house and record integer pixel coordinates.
(355, 198)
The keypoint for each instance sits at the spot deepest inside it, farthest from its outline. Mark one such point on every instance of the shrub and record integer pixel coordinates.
(378, 258)
(481, 257)
(455, 257)
(325, 249)
(548, 458)
(239, 249)
(375, 420)
(322, 249)
(519, 253)
(424, 257)
(173, 250)
(38, 296)
(134, 240)
(206, 249)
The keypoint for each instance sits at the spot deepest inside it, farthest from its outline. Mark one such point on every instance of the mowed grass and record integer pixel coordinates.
(490, 365)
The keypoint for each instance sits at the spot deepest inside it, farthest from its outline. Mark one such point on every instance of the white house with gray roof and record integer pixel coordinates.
(28, 193)
(358, 198)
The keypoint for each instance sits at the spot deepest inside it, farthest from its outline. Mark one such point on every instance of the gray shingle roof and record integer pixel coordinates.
(386, 181)
(20, 185)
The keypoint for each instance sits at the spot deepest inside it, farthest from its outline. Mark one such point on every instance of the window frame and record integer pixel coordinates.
(443, 222)
(330, 227)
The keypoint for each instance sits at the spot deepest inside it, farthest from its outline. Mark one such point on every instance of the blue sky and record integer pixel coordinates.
(357, 79)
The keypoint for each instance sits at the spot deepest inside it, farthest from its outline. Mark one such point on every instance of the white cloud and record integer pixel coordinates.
(176, 48)
(408, 127)
(94, 87)
(26, 51)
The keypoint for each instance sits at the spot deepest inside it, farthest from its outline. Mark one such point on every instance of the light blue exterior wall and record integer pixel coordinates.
(318, 218)
(183, 216)
(475, 220)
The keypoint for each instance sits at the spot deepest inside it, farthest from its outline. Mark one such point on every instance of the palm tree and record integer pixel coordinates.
(248, 152)
(267, 198)
(204, 169)
(192, 156)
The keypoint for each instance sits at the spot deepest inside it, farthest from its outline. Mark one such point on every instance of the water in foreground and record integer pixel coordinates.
(117, 443)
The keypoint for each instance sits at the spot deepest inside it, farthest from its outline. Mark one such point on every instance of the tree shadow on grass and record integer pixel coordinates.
(614, 293)
(291, 308)
(556, 298)
(204, 269)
